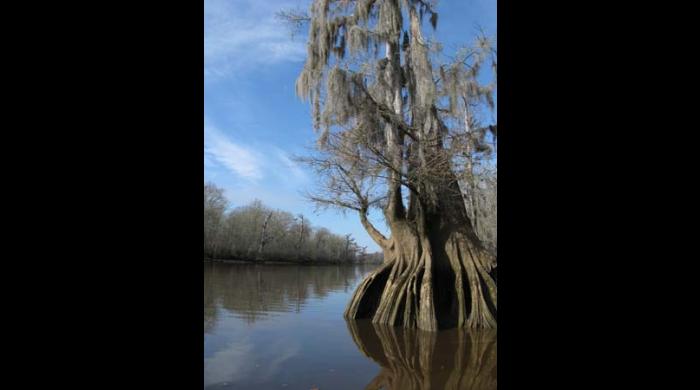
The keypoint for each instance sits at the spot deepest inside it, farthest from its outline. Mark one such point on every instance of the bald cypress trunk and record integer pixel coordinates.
(436, 274)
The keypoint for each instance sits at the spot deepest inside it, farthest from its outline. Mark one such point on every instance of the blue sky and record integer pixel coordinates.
(253, 121)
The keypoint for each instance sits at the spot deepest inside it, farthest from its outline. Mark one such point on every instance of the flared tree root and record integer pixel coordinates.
(429, 284)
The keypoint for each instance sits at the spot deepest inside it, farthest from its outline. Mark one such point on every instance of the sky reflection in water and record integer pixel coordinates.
(281, 327)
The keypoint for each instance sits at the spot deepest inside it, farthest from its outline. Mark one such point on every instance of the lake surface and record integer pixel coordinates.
(282, 327)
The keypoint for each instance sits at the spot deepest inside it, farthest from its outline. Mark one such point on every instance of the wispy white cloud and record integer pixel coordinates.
(241, 160)
(242, 34)
(290, 165)
(209, 162)
(249, 162)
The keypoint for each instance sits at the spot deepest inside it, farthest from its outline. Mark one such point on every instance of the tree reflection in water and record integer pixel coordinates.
(415, 359)
(253, 291)
(408, 358)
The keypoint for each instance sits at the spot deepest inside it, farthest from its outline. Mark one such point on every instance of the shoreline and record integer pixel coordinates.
(280, 262)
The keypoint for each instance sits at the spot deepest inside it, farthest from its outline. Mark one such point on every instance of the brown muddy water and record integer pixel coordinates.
(282, 327)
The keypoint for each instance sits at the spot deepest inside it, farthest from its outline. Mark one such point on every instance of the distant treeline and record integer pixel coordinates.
(258, 233)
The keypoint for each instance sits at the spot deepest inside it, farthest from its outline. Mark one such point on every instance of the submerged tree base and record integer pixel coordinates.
(435, 282)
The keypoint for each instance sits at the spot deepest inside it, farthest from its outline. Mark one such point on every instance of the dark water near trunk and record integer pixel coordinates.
(282, 327)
